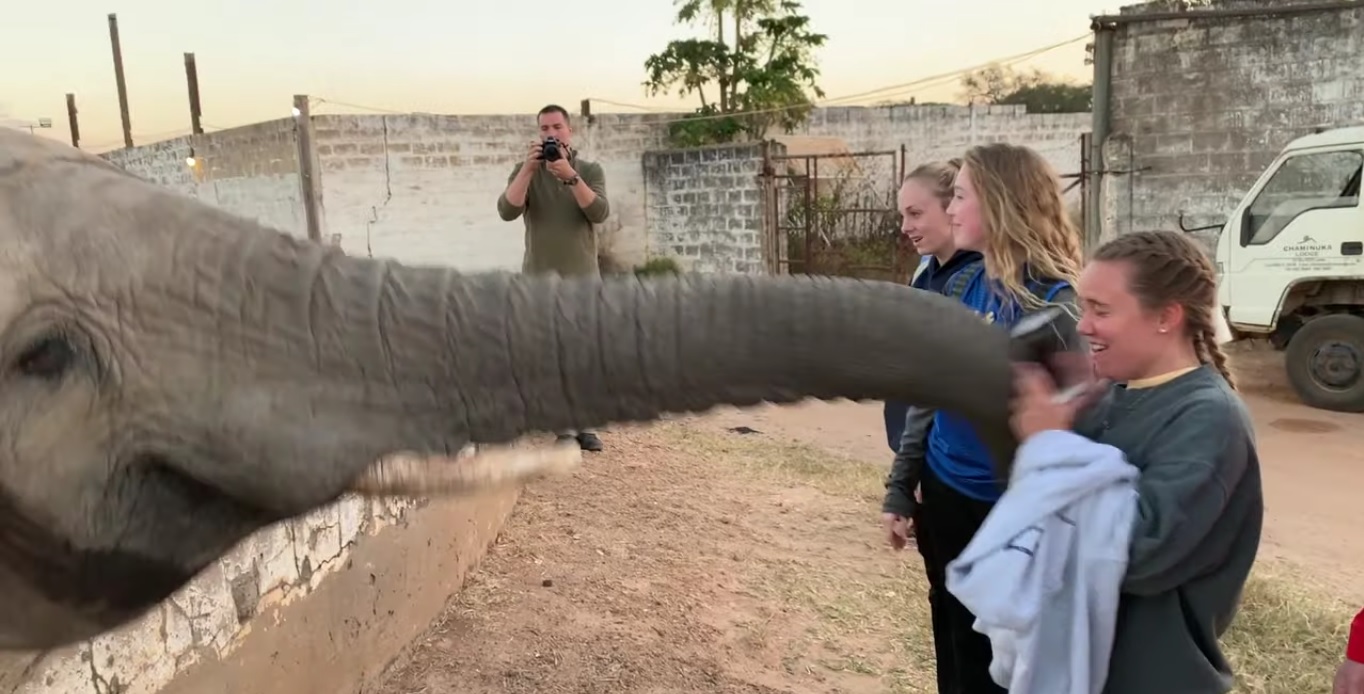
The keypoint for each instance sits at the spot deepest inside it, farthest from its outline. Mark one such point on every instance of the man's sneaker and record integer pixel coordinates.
(588, 441)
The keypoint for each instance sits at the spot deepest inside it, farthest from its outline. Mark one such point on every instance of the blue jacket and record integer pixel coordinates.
(934, 278)
(955, 453)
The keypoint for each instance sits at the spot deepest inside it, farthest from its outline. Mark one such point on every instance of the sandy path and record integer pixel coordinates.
(1313, 463)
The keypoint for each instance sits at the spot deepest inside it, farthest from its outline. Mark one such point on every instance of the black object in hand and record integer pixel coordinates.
(1039, 336)
(550, 151)
(1050, 338)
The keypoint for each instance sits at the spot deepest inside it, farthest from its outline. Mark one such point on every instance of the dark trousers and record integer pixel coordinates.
(945, 523)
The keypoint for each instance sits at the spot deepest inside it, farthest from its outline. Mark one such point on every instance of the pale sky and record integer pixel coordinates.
(495, 56)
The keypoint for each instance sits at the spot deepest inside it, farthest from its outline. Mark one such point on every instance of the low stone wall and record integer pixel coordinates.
(321, 603)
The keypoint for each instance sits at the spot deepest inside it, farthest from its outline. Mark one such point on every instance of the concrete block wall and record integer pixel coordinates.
(423, 188)
(944, 132)
(318, 603)
(1202, 105)
(251, 171)
(210, 617)
(705, 206)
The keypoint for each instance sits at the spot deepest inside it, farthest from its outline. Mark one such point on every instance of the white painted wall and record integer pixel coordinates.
(423, 188)
(211, 617)
(251, 170)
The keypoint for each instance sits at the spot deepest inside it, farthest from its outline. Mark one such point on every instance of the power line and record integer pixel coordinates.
(943, 80)
(882, 92)
(958, 73)
(154, 137)
(622, 104)
(888, 91)
(319, 101)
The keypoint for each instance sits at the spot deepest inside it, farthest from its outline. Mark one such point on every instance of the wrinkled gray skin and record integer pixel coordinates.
(176, 377)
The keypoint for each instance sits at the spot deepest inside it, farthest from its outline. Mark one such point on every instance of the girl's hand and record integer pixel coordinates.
(1037, 405)
(898, 530)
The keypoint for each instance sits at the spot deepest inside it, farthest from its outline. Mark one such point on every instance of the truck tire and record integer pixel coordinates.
(1325, 362)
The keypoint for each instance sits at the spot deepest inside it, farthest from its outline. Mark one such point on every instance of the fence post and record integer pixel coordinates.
(71, 119)
(1086, 185)
(307, 167)
(766, 189)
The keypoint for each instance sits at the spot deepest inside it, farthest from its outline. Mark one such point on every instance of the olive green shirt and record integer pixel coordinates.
(560, 236)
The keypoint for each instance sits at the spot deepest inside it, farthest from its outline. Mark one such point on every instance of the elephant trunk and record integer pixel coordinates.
(376, 357)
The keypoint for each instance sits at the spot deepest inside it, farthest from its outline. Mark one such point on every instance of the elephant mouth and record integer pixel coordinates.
(108, 585)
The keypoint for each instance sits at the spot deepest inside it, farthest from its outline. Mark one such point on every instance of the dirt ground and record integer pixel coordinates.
(692, 557)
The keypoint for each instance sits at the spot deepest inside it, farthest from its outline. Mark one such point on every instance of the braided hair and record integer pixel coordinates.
(1170, 268)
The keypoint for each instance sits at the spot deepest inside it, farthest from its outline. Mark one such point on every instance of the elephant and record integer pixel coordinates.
(177, 377)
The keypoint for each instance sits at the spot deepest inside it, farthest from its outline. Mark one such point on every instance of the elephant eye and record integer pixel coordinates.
(48, 358)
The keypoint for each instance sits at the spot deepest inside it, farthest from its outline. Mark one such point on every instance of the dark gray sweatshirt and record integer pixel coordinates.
(1197, 532)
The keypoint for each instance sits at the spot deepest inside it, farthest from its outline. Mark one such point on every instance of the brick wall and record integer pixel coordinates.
(320, 602)
(251, 171)
(942, 132)
(705, 206)
(423, 188)
(1202, 105)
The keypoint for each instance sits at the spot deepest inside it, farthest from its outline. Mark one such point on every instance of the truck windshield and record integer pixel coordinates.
(1304, 182)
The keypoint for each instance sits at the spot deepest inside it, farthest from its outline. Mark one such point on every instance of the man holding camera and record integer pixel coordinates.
(559, 196)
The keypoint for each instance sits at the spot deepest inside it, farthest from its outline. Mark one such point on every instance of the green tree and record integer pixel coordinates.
(1039, 91)
(753, 71)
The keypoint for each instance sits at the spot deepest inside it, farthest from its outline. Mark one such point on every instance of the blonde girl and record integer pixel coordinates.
(1006, 205)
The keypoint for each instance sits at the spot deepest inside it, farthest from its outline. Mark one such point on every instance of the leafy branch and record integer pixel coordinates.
(756, 70)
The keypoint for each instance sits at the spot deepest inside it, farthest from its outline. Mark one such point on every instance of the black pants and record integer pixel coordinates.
(945, 523)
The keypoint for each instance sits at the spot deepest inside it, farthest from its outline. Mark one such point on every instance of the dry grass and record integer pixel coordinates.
(685, 558)
(1287, 639)
(868, 618)
(1289, 636)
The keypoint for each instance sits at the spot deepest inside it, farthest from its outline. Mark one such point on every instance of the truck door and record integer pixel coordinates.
(1303, 223)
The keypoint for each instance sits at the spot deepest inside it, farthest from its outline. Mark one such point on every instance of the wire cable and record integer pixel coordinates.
(888, 91)
(320, 101)
(882, 92)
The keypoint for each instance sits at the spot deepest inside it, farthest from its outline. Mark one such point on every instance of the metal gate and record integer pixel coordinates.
(835, 214)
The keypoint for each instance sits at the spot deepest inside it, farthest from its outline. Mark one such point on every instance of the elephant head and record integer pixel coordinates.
(176, 377)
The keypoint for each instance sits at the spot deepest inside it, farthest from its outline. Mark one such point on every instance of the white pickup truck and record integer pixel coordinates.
(1291, 266)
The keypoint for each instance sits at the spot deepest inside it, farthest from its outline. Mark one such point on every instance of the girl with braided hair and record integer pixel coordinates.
(1148, 303)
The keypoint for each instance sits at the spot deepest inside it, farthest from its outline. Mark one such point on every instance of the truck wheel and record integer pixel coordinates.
(1325, 361)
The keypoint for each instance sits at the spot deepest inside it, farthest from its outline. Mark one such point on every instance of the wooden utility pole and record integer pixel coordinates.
(192, 78)
(71, 119)
(303, 125)
(122, 86)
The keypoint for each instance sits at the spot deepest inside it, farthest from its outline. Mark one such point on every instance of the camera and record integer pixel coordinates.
(550, 150)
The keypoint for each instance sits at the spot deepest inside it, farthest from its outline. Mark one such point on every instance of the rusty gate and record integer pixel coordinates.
(835, 214)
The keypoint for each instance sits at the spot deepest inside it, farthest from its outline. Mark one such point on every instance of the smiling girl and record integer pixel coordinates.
(1007, 206)
(1149, 305)
(923, 201)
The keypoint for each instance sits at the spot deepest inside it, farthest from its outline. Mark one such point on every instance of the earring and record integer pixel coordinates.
(1163, 330)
